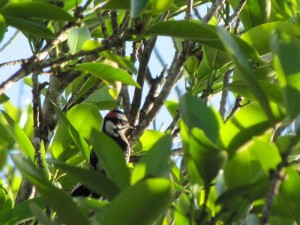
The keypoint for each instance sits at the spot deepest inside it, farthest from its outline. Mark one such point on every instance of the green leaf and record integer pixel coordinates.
(286, 57)
(116, 4)
(249, 170)
(137, 7)
(240, 129)
(215, 58)
(40, 215)
(19, 136)
(262, 42)
(159, 6)
(239, 56)
(111, 158)
(122, 62)
(204, 33)
(196, 113)
(207, 157)
(253, 12)
(77, 37)
(77, 138)
(172, 106)
(140, 204)
(3, 98)
(272, 90)
(94, 180)
(38, 10)
(107, 72)
(288, 196)
(29, 26)
(5, 201)
(21, 212)
(3, 27)
(149, 139)
(3, 3)
(83, 117)
(57, 199)
(155, 162)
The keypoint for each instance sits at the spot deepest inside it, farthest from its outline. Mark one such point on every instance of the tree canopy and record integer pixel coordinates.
(230, 160)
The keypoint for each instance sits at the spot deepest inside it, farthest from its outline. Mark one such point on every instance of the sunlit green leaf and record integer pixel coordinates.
(3, 27)
(262, 42)
(289, 194)
(248, 122)
(77, 138)
(77, 37)
(83, 117)
(19, 136)
(135, 205)
(286, 57)
(107, 72)
(155, 162)
(158, 6)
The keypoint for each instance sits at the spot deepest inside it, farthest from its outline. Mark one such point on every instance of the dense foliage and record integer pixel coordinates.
(236, 164)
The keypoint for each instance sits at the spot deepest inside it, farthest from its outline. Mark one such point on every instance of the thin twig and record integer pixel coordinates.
(12, 38)
(236, 13)
(12, 63)
(236, 107)
(223, 101)
(174, 122)
(213, 9)
(156, 85)
(137, 97)
(37, 118)
(102, 24)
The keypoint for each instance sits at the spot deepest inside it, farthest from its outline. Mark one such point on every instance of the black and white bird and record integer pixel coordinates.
(114, 125)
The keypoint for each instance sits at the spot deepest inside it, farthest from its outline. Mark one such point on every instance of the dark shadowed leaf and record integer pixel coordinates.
(39, 10)
(196, 113)
(57, 199)
(20, 212)
(137, 7)
(194, 30)
(29, 26)
(140, 204)
(94, 180)
(286, 62)
(207, 157)
(111, 158)
(254, 12)
(272, 90)
(239, 56)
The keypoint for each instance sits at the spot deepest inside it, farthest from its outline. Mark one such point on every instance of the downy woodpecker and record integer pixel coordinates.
(114, 125)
